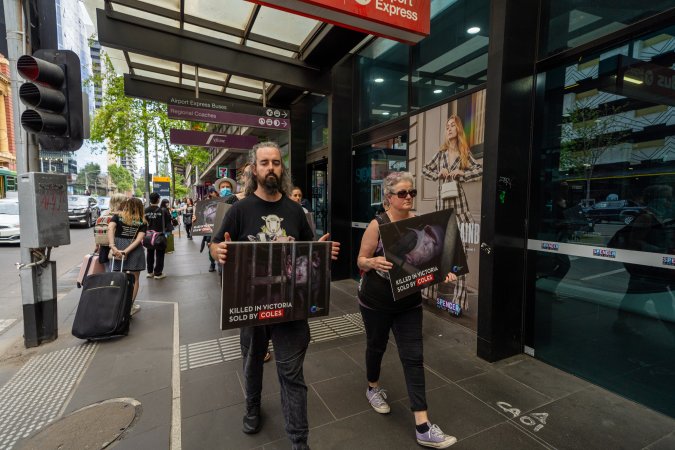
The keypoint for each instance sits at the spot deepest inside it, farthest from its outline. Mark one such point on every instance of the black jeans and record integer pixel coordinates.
(188, 229)
(156, 265)
(290, 341)
(407, 329)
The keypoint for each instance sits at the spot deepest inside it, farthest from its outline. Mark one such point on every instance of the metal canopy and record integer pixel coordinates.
(233, 49)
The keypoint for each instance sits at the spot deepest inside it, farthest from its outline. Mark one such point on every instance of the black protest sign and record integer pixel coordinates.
(205, 213)
(220, 216)
(423, 250)
(272, 282)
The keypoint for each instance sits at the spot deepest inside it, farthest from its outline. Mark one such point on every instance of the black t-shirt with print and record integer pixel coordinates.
(255, 219)
(126, 231)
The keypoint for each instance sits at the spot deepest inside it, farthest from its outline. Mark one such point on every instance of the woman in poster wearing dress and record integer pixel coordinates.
(454, 162)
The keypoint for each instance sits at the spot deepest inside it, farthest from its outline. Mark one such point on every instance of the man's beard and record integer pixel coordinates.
(271, 183)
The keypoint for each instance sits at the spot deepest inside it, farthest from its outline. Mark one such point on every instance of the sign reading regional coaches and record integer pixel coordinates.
(272, 282)
(216, 140)
(197, 110)
(402, 20)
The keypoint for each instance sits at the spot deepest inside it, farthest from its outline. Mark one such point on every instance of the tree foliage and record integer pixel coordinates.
(587, 133)
(126, 125)
(88, 175)
(121, 177)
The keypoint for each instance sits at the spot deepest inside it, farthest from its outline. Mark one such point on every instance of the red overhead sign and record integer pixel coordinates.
(401, 20)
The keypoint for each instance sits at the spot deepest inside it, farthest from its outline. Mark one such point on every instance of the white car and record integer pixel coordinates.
(9, 222)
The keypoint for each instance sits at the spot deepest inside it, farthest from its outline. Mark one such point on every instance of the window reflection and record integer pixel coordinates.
(604, 155)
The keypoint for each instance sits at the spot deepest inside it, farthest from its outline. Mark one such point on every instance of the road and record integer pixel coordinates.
(66, 257)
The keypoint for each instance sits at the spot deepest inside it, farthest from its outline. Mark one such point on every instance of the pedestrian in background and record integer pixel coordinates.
(157, 219)
(188, 211)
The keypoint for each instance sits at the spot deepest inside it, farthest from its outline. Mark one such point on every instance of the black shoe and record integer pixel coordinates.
(252, 422)
(212, 268)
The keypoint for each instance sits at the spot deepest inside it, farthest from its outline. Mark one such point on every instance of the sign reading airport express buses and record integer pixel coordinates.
(402, 20)
(198, 110)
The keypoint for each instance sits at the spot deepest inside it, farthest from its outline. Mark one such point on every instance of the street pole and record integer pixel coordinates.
(37, 273)
(146, 150)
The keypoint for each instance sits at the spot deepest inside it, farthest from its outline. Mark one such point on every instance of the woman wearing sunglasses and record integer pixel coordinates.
(403, 317)
(454, 162)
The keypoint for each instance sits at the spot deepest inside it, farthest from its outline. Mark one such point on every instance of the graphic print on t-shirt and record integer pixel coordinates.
(271, 231)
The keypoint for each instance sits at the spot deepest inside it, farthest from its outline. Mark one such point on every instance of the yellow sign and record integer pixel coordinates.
(161, 179)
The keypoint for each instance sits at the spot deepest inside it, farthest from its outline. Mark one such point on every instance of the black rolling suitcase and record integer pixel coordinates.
(105, 306)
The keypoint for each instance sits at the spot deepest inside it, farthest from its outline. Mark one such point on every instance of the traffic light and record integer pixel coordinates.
(53, 96)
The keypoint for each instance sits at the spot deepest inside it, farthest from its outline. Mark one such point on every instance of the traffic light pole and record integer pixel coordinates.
(35, 283)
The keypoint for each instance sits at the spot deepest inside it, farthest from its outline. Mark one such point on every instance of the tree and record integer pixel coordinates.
(121, 177)
(587, 133)
(126, 125)
(88, 176)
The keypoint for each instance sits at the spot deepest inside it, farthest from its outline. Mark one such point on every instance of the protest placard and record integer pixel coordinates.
(272, 282)
(423, 250)
(205, 213)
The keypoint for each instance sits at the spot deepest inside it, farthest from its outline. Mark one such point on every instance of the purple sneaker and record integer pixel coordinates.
(377, 398)
(435, 438)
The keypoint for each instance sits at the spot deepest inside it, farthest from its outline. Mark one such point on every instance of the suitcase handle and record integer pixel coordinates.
(121, 265)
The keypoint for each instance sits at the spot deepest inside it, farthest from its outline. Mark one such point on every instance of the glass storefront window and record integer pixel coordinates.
(370, 165)
(602, 234)
(383, 82)
(570, 23)
(453, 58)
(320, 124)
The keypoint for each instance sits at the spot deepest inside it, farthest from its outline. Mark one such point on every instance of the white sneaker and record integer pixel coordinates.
(377, 398)
(160, 276)
(135, 308)
(150, 275)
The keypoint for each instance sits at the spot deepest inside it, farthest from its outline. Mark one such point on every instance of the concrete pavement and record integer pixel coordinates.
(185, 374)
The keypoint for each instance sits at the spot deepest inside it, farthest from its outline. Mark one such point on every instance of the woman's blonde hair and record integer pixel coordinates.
(116, 203)
(462, 143)
(132, 212)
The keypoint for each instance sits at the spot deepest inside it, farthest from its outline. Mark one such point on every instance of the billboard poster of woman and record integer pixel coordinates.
(446, 151)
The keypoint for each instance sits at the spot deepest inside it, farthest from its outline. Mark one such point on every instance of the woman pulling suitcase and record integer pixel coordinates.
(125, 235)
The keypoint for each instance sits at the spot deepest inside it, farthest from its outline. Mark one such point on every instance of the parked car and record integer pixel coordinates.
(624, 211)
(9, 222)
(83, 210)
(103, 204)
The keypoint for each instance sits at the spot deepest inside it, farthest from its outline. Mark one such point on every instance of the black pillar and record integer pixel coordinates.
(301, 141)
(512, 54)
(340, 166)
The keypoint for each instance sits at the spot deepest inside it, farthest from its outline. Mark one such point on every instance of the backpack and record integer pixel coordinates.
(101, 230)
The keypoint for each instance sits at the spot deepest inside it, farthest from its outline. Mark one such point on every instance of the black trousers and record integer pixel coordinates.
(155, 261)
(407, 329)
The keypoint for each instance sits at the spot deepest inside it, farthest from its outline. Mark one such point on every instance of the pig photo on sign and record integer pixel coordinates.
(429, 245)
(305, 283)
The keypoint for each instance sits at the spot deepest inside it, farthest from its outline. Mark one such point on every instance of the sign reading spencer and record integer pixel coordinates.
(401, 20)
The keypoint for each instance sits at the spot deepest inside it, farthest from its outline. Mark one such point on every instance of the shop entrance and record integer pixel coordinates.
(318, 195)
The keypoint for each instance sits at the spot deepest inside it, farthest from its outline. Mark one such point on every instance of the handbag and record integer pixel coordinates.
(449, 189)
(154, 240)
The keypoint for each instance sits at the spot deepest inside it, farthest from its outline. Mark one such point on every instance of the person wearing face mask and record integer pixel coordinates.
(226, 187)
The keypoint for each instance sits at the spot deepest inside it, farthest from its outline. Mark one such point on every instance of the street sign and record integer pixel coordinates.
(198, 110)
(202, 139)
(223, 172)
(161, 185)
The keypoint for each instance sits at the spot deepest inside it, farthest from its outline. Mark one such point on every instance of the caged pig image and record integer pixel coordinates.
(307, 291)
(428, 245)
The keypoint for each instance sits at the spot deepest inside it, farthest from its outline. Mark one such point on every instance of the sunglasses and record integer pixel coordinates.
(404, 194)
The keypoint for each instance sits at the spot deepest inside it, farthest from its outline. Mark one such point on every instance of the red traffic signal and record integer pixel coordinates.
(53, 95)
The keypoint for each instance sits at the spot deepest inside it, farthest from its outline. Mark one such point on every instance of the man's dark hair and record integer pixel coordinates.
(285, 183)
(154, 198)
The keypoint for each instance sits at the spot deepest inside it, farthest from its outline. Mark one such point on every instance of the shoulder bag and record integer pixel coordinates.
(155, 240)
(449, 189)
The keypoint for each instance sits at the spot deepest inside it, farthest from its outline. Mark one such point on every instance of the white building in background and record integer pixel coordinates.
(76, 31)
